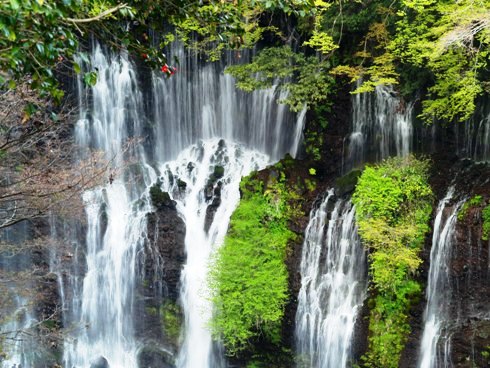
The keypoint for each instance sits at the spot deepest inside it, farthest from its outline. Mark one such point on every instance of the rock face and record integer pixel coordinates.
(166, 246)
(158, 312)
(469, 271)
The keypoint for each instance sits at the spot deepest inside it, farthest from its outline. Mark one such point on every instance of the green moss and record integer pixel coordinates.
(249, 279)
(393, 206)
(472, 202)
(157, 196)
(486, 223)
(310, 184)
(152, 311)
(347, 183)
(171, 316)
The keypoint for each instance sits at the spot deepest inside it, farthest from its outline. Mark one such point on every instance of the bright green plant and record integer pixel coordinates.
(472, 202)
(393, 206)
(486, 223)
(249, 276)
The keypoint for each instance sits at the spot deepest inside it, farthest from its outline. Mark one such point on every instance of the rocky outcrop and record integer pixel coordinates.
(158, 313)
(469, 271)
(165, 249)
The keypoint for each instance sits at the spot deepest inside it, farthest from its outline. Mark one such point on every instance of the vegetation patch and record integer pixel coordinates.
(393, 205)
(249, 278)
(158, 197)
(486, 223)
(171, 317)
(472, 202)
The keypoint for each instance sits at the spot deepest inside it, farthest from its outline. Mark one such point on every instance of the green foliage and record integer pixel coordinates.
(472, 202)
(442, 37)
(37, 36)
(226, 24)
(486, 223)
(249, 277)
(393, 206)
(440, 48)
(158, 197)
(304, 77)
(171, 317)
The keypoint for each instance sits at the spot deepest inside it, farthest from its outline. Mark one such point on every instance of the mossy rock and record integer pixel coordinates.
(219, 172)
(347, 183)
(159, 198)
(153, 356)
(182, 185)
(171, 317)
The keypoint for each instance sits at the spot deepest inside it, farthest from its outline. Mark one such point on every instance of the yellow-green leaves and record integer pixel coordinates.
(393, 206)
(321, 41)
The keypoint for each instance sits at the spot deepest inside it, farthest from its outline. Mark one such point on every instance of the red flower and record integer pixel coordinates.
(165, 68)
(144, 56)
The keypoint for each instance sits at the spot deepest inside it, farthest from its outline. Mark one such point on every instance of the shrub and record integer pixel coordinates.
(393, 206)
(249, 277)
(486, 223)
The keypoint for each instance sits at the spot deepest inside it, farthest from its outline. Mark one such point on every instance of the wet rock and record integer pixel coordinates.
(213, 207)
(161, 199)
(219, 172)
(347, 183)
(166, 235)
(154, 357)
(160, 266)
(100, 362)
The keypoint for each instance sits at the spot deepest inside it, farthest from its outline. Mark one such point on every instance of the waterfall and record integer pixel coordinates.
(382, 126)
(19, 342)
(475, 142)
(333, 286)
(103, 314)
(200, 136)
(20, 345)
(192, 204)
(200, 102)
(435, 344)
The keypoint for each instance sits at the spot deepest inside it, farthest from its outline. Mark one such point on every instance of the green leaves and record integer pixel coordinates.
(306, 79)
(393, 206)
(249, 277)
(90, 78)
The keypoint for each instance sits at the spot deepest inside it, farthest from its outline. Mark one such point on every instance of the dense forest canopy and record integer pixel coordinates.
(434, 49)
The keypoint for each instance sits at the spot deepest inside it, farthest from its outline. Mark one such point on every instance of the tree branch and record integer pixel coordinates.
(98, 17)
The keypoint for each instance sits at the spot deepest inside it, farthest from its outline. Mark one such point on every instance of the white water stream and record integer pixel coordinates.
(435, 345)
(382, 125)
(333, 286)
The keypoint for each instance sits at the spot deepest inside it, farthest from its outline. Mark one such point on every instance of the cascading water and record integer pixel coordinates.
(198, 122)
(196, 167)
(475, 143)
(333, 286)
(435, 344)
(382, 125)
(19, 346)
(104, 312)
(201, 102)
